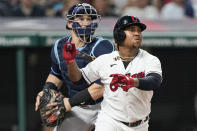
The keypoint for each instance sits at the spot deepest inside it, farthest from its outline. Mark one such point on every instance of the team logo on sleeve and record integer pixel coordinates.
(137, 75)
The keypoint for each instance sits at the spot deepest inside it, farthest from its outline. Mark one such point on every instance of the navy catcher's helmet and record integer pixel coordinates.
(84, 33)
(122, 23)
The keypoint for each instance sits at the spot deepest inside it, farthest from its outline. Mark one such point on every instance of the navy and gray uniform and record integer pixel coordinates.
(80, 117)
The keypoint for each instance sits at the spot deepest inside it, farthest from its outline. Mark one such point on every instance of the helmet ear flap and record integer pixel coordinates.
(119, 35)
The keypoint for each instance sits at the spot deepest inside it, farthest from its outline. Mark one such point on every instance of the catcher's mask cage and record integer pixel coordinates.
(121, 24)
(84, 33)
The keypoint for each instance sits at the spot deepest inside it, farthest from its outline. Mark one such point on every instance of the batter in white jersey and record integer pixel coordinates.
(127, 106)
(129, 75)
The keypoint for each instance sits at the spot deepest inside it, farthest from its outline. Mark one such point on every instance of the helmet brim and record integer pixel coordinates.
(141, 25)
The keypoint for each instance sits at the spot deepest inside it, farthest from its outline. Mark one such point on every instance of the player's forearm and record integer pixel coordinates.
(150, 82)
(95, 94)
(67, 104)
(55, 80)
(96, 91)
(74, 72)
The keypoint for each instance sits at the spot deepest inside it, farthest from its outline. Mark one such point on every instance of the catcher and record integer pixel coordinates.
(82, 21)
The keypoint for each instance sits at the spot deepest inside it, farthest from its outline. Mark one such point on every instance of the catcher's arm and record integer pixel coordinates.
(55, 80)
(94, 92)
(54, 105)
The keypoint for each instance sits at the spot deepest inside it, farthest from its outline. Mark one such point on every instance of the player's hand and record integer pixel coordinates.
(114, 83)
(69, 52)
(123, 81)
(126, 82)
(40, 94)
(55, 105)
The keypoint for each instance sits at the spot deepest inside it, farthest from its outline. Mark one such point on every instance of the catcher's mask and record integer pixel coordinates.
(84, 33)
(122, 23)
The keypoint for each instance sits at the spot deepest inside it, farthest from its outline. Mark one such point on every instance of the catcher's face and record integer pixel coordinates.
(84, 27)
(133, 37)
(83, 20)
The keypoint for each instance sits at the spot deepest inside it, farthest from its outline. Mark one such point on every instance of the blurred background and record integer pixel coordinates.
(28, 29)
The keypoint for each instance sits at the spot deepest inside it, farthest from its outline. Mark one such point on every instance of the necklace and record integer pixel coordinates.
(127, 58)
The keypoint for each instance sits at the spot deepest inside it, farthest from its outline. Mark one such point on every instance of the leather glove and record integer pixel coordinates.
(52, 116)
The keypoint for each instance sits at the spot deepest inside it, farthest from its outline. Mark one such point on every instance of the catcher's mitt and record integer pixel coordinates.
(51, 115)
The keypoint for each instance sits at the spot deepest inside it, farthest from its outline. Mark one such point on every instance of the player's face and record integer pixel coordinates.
(133, 36)
(83, 20)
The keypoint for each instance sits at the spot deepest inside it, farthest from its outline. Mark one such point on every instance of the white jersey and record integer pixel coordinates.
(120, 105)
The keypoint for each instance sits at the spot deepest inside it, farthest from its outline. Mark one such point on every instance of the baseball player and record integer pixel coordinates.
(130, 76)
(82, 21)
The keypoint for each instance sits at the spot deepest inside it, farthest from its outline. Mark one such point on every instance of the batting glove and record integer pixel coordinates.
(69, 52)
(114, 83)
(122, 81)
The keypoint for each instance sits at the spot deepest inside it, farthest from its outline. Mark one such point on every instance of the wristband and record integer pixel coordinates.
(81, 97)
(51, 85)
